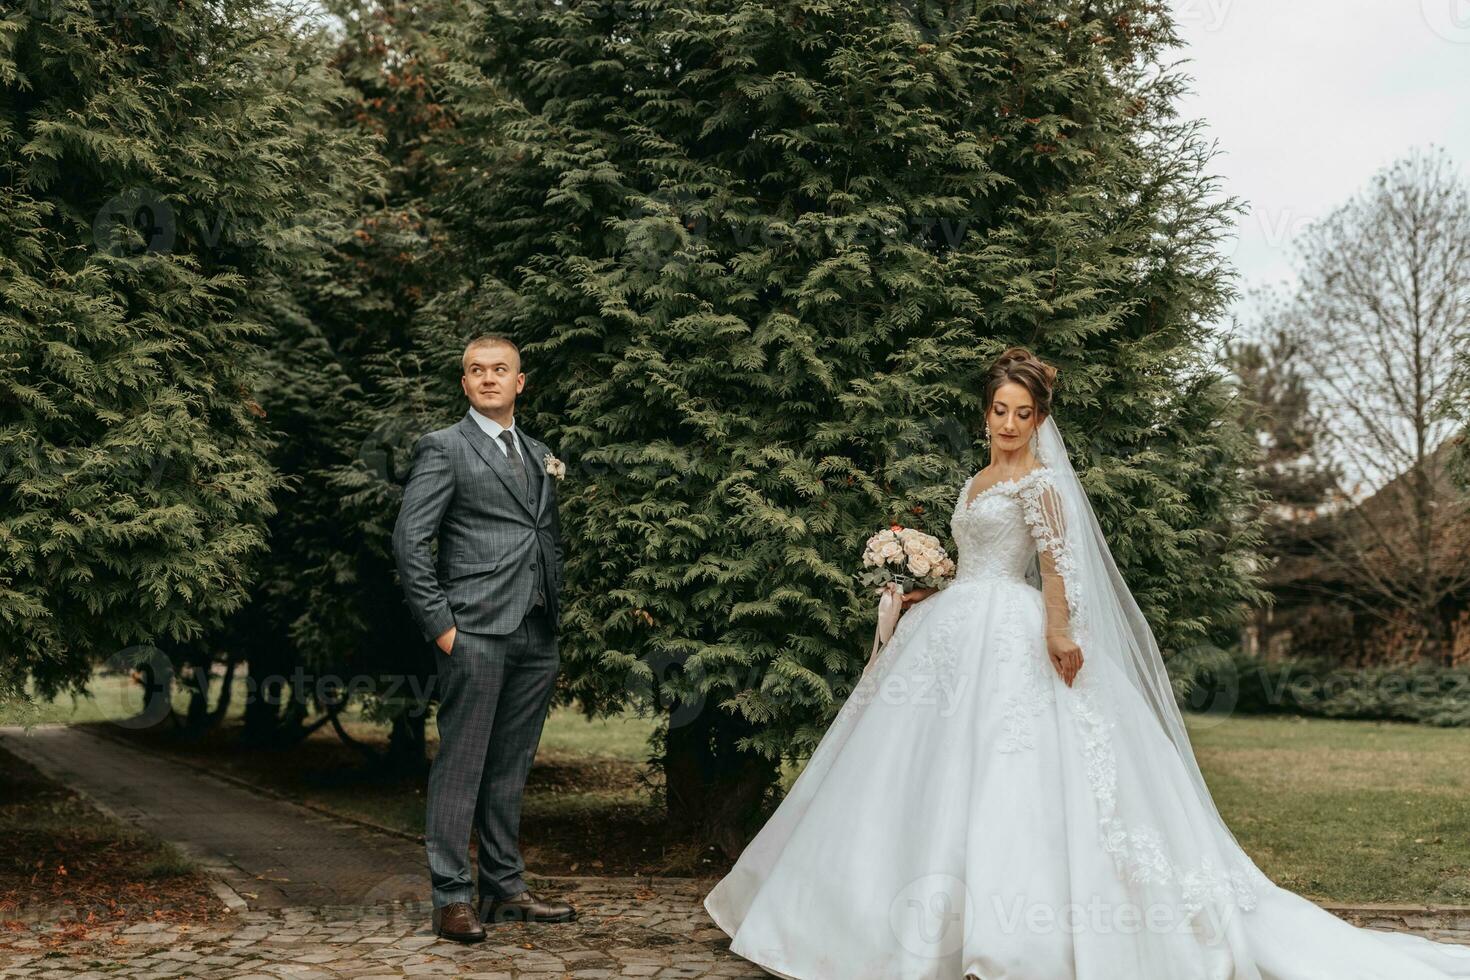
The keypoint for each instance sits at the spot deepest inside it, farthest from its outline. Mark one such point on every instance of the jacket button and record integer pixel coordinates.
(533, 566)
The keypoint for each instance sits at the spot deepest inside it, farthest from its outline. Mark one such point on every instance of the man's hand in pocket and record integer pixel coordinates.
(446, 639)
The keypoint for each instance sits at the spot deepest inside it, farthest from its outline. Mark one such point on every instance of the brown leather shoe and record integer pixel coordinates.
(525, 907)
(458, 921)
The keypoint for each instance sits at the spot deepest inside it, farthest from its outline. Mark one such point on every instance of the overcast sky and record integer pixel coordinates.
(1309, 98)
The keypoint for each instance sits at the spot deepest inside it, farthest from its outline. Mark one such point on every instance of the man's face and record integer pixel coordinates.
(492, 378)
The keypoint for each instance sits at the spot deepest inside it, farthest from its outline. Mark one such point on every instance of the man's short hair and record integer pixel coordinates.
(486, 340)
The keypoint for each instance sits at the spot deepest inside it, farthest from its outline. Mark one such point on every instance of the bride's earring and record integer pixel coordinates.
(1033, 442)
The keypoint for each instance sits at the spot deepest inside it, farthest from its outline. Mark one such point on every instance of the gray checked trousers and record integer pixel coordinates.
(494, 692)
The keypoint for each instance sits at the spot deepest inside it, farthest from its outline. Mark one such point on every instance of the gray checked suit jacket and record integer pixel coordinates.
(492, 544)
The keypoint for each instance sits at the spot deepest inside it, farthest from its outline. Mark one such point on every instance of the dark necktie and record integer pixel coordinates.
(518, 465)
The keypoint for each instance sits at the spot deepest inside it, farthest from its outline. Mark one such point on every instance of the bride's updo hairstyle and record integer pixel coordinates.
(1024, 368)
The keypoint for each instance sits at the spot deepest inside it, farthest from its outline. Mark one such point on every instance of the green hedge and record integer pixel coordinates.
(1232, 682)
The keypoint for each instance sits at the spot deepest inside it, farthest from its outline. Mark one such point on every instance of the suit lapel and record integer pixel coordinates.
(494, 457)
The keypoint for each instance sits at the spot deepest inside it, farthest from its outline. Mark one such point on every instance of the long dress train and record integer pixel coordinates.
(969, 815)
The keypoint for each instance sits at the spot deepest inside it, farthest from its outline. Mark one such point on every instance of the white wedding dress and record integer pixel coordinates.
(969, 815)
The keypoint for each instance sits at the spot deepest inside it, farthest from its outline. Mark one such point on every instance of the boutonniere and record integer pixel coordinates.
(554, 466)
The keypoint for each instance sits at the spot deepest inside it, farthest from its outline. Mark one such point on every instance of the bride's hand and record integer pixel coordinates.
(915, 595)
(1066, 657)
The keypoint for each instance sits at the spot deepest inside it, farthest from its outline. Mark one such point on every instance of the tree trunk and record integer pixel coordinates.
(407, 747)
(293, 728)
(714, 790)
(157, 697)
(226, 693)
(1438, 649)
(263, 699)
(198, 680)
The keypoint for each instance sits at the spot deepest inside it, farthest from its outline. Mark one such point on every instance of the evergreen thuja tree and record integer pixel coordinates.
(330, 604)
(758, 256)
(161, 177)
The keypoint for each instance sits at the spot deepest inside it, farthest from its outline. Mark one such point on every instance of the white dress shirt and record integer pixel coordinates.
(493, 429)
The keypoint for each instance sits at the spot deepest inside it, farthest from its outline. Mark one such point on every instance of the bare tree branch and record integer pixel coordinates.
(1384, 310)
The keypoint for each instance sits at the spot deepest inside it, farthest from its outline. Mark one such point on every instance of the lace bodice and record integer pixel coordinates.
(998, 532)
(990, 532)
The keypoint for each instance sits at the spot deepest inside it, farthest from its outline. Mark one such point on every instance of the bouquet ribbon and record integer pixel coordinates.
(889, 606)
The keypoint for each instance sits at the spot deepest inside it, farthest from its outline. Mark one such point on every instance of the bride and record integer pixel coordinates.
(1009, 793)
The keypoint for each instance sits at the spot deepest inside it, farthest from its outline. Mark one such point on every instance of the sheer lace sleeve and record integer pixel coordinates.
(1042, 506)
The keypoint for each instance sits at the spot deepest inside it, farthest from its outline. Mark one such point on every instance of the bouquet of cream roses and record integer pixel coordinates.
(895, 561)
(906, 556)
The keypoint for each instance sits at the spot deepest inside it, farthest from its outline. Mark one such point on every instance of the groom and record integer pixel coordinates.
(488, 600)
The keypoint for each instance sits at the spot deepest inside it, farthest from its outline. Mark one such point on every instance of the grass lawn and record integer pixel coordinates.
(1342, 811)
(110, 697)
(1351, 811)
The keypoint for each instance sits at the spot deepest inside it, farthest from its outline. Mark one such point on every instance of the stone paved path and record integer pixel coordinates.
(622, 930)
(273, 853)
(328, 898)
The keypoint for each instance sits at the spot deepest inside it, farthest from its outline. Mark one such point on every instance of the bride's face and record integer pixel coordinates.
(1012, 417)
